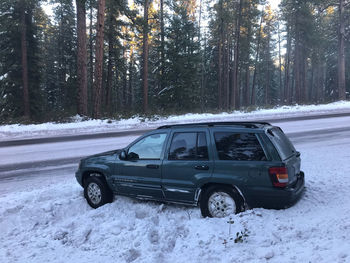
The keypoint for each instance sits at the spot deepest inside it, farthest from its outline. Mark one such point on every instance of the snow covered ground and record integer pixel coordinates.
(48, 220)
(77, 126)
(53, 223)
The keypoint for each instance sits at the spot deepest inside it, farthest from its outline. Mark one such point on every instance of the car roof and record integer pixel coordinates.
(247, 124)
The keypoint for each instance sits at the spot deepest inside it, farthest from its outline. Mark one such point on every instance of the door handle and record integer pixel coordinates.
(201, 167)
(152, 166)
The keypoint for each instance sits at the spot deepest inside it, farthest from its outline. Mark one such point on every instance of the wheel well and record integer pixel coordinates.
(93, 173)
(233, 187)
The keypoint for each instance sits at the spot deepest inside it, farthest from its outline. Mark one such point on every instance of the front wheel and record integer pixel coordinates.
(96, 192)
(220, 201)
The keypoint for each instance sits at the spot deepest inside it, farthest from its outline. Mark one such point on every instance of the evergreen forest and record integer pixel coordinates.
(119, 58)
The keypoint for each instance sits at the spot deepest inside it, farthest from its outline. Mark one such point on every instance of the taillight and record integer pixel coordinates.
(279, 176)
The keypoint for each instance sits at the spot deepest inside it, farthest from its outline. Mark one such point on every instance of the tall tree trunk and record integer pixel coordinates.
(296, 70)
(130, 91)
(145, 57)
(204, 75)
(279, 61)
(267, 87)
(287, 93)
(125, 79)
(317, 82)
(202, 58)
(247, 70)
(91, 56)
(110, 64)
(99, 58)
(81, 57)
(235, 94)
(61, 64)
(24, 54)
(226, 76)
(297, 57)
(311, 89)
(341, 52)
(253, 102)
(220, 80)
(220, 47)
(162, 42)
(247, 85)
(304, 91)
(109, 75)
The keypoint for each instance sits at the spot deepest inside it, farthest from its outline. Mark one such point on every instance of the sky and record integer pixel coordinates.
(48, 7)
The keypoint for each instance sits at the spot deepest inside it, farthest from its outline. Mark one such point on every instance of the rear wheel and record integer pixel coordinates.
(220, 201)
(97, 192)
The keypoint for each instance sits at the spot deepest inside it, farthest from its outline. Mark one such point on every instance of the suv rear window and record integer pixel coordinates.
(283, 145)
(238, 146)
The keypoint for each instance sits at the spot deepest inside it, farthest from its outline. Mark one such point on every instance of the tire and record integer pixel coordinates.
(220, 201)
(97, 192)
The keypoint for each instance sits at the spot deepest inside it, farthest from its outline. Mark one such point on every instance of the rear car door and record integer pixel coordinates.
(239, 158)
(188, 163)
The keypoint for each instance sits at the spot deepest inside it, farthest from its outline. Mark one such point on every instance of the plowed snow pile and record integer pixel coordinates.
(78, 126)
(55, 224)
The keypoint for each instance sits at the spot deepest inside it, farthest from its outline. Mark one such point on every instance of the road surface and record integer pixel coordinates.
(40, 159)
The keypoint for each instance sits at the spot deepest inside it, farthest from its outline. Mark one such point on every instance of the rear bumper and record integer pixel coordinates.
(276, 198)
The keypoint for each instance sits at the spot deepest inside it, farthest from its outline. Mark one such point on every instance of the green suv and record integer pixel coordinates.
(224, 167)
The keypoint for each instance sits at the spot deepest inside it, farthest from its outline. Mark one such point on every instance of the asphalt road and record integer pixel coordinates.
(139, 132)
(61, 164)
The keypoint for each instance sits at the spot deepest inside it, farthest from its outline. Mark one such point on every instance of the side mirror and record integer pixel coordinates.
(122, 155)
(133, 156)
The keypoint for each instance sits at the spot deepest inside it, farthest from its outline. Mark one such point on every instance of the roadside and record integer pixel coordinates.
(93, 129)
(24, 160)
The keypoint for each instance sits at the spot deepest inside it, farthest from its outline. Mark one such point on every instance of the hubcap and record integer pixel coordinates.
(221, 204)
(94, 193)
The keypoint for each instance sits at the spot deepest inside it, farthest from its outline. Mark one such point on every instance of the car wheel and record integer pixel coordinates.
(97, 192)
(220, 201)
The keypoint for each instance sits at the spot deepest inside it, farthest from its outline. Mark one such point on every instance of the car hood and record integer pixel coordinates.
(109, 153)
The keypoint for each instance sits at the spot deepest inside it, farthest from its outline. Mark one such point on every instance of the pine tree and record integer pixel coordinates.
(99, 59)
(64, 17)
(81, 58)
(182, 88)
(20, 74)
(341, 51)
(145, 51)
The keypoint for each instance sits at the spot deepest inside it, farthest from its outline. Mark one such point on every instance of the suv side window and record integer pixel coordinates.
(238, 146)
(149, 147)
(189, 146)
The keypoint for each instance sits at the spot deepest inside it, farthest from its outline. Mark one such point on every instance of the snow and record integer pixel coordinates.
(61, 150)
(77, 126)
(49, 220)
(55, 224)
(45, 219)
(3, 76)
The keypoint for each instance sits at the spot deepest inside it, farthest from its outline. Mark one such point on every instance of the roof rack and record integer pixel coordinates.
(246, 124)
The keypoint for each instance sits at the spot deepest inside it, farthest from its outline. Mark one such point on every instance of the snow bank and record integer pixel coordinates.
(55, 224)
(16, 131)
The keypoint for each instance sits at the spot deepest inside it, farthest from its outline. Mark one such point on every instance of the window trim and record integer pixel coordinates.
(197, 134)
(239, 132)
(141, 138)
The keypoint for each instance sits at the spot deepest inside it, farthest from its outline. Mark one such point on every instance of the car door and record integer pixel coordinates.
(187, 164)
(239, 159)
(140, 174)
